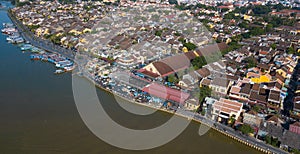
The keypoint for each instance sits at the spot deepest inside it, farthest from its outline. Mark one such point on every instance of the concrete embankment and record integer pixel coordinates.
(49, 46)
(234, 137)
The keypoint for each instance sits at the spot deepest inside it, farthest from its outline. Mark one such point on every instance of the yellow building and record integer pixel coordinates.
(184, 49)
(75, 32)
(282, 72)
(247, 17)
(39, 31)
(261, 79)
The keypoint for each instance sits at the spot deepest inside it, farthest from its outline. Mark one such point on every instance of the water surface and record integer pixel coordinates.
(38, 114)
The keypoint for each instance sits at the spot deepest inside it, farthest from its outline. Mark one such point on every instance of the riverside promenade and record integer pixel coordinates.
(225, 130)
(39, 42)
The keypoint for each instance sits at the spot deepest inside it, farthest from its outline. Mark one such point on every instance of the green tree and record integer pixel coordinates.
(244, 24)
(268, 139)
(254, 31)
(290, 50)
(173, 2)
(158, 33)
(246, 129)
(273, 46)
(231, 121)
(232, 46)
(295, 151)
(261, 9)
(190, 46)
(256, 108)
(172, 78)
(198, 62)
(269, 27)
(251, 62)
(279, 7)
(33, 27)
(275, 142)
(204, 92)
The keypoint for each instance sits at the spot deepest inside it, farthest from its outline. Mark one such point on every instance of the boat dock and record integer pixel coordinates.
(62, 63)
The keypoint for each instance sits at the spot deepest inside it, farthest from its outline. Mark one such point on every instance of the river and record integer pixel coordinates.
(38, 114)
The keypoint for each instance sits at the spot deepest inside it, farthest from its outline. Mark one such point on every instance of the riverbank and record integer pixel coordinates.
(38, 42)
(39, 114)
(210, 125)
(227, 134)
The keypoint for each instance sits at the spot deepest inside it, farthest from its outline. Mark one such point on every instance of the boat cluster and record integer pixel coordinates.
(63, 64)
(13, 35)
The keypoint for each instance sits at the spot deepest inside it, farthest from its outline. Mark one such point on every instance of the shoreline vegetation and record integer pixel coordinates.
(240, 139)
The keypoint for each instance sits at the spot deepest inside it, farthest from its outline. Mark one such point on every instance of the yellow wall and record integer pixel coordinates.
(261, 79)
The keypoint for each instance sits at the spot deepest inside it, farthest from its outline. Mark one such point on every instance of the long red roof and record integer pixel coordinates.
(166, 93)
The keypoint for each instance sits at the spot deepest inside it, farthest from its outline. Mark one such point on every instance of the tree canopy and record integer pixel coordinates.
(246, 129)
(204, 92)
(198, 62)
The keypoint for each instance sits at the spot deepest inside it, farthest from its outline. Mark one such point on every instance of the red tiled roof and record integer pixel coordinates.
(144, 71)
(228, 106)
(172, 64)
(235, 89)
(179, 62)
(166, 93)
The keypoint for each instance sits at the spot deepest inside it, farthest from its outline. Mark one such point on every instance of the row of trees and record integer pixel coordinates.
(272, 141)
(259, 9)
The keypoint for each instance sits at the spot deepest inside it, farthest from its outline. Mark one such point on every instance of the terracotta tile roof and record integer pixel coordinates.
(172, 64)
(228, 106)
(205, 82)
(252, 112)
(261, 52)
(221, 82)
(272, 118)
(246, 88)
(296, 124)
(255, 87)
(190, 55)
(235, 89)
(203, 72)
(144, 71)
(263, 66)
(255, 96)
(274, 95)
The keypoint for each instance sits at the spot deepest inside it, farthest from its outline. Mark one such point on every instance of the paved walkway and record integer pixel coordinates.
(39, 42)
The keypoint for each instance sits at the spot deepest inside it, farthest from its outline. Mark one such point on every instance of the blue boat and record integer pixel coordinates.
(26, 47)
(34, 57)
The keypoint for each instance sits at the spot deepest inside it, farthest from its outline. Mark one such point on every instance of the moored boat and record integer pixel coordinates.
(36, 50)
(12, 38)
(18, 40)
(7, 25)
(35, 57)
(26, 47)
(9, 30)
(59, 71)
(69, 68)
